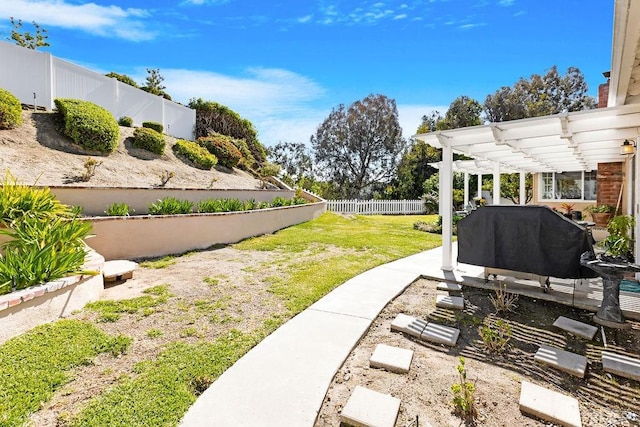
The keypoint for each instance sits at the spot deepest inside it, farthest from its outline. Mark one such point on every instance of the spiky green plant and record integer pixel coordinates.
(118, 209)
(171, 206)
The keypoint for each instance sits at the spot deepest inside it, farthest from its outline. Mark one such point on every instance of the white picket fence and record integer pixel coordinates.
(376, 207)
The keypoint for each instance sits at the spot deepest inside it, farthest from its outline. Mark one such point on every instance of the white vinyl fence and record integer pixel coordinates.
(377, 207)
(37, 78)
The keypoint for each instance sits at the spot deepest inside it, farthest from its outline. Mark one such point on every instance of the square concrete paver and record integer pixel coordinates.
(368, 408)
(446, 301)
(576, 328)
(408, 324)
(440, 334)
(118, 270)
(393, 359)
(565, 361)
(549, 405)
(619, 364)
(450, 287)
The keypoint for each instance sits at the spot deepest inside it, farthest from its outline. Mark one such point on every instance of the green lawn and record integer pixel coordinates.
(159, 391)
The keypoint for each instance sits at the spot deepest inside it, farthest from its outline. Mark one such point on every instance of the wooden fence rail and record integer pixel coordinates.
(377, 207)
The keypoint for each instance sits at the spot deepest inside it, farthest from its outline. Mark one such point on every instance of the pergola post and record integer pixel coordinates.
(446, 202)
(496, 184)
(523, 189)
(480, 185)
(636, 204)
(466, 189)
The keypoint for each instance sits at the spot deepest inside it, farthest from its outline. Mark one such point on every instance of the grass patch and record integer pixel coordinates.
(159, 263)
(110, 310)
(34, 365)
(165, 388)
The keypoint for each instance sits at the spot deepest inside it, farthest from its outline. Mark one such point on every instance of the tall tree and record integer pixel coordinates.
(26, 39)
(294, 158)
(510, 187)
(462, 112)
(153, 83)
(414, 169)
(359, 145)
(540, 96)
(429, 123)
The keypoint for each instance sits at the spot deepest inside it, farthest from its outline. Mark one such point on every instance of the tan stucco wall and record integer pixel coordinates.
(94, 201)
(150, 236)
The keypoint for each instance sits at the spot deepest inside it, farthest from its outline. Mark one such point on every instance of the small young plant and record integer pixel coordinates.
(463, 393)
(90, 166)
(496, 338)
(165, 176)
(504, 301)
(118, 209)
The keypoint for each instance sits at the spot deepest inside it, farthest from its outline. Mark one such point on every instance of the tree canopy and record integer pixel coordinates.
(25, 38)
(540, 96)
(153, 83)
(294, 158)
(414, 170)
(358, 146)
(122, 78)
(462, 112)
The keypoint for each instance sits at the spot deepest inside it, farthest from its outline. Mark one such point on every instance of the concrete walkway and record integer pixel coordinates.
(283, 380)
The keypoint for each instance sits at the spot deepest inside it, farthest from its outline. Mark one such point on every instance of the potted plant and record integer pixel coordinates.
(601, 214)
(568, 209)
(619, 243)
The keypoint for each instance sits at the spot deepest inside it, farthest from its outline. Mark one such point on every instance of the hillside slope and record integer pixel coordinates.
(37, 151)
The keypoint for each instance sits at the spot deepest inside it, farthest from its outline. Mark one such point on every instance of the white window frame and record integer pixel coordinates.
(543, 187)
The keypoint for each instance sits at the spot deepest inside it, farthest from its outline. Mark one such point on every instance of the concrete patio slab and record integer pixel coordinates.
(565, 361)
(408, 325)
(574, 327)
(368, 408)
(449, 287)
(440, 334)
(447, 301)
(619, 364)
(549, 405)
(283, 380)
(393, 359)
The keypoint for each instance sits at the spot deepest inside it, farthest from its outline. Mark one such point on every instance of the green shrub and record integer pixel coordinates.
(170, 206)
(496, 338)
(200, 156)
(89, 125)
(10, 110)
(118, 209)
(222, 147)
(148, 139)
(280, 201)
(125, 121)
(153, 125)
(220, 205)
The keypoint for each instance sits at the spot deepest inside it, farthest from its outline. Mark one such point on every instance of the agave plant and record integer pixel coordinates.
(171, 206)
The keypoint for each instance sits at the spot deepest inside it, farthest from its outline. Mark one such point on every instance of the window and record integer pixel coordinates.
(568, 185)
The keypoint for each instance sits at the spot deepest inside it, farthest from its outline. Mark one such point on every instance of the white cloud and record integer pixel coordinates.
(305, 19)
(506, 3)
(107, 21)
(401, 16)
(280, 103)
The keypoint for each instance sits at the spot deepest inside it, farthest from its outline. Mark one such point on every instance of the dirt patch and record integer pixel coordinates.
(425, 390)
(36, 151)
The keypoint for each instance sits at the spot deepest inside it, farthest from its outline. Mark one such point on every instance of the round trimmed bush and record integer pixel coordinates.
(10, 110)
(89, 125)
(197, 154)
(149, 139)
(222, 147)
(126, 121)
(153, 125)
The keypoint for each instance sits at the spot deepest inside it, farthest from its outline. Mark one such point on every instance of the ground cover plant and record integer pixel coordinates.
(205, 309)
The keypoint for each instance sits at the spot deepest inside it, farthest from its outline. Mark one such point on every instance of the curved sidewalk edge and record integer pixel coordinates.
(283, 380)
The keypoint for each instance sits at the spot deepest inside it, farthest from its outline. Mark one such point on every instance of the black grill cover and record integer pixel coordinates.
(530, 239)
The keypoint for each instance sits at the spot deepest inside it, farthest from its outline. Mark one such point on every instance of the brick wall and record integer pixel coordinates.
(610, 177)
(603, 95)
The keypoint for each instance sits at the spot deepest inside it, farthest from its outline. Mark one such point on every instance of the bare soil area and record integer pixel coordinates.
(425, 391)
(36, 151)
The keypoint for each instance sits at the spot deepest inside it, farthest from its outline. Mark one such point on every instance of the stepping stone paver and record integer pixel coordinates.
(368, 408)
(622, 365)
(549, 405)
(565, 361)
(446, 301)
(408, 324)
(440, 334)
(450, 287)
(393, 359)
(579, 329)
(118, 270)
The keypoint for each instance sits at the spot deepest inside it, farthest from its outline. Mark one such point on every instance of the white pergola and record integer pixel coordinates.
(575, 141)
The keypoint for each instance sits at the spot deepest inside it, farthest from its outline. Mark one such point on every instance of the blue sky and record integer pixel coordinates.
(284, 64)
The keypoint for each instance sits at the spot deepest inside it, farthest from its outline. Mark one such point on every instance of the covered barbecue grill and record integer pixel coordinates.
(523, 239)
